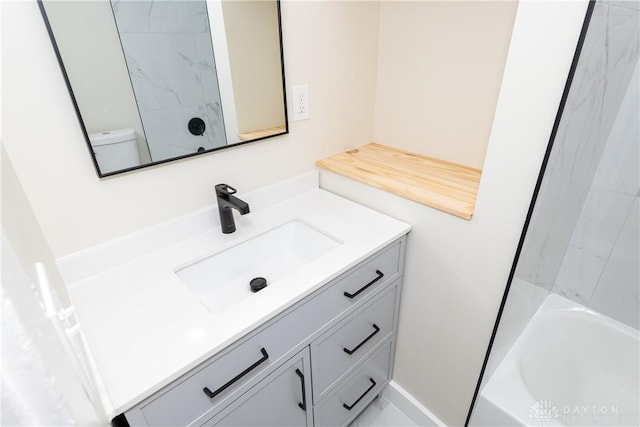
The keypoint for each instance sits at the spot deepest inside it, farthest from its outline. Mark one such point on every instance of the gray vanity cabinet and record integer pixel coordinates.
(320, 362)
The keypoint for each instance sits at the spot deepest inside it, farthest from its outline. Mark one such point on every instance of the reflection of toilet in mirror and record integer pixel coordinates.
(115, 150)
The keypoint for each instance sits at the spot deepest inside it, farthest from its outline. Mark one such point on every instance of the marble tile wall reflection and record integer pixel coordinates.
(170, 59)
(160, 16)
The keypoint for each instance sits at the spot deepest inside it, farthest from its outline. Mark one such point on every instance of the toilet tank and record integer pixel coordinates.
(115, 149)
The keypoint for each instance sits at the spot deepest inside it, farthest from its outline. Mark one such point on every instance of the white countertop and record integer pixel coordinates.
(146, 328)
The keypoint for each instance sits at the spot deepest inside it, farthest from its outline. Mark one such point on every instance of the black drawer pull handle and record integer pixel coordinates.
(373, 384)
(211, 394)
(377, 329)
(302, 405)
(380, 276)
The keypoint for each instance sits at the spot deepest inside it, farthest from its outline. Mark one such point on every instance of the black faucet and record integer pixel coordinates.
(227, 201)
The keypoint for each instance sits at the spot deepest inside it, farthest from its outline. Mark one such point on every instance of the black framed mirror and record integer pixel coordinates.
(156, 81)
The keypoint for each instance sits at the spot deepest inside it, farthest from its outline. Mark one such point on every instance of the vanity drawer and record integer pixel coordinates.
(365, 279)
(356, 391)
(349, 342)
(188, 401)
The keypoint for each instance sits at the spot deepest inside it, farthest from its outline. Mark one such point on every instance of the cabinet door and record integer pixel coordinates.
(281, 399)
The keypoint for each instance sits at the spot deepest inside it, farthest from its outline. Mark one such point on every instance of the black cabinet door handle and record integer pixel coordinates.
(376, 330)
(380, 276)
(302, 405)
(211, 394)
(350, 407)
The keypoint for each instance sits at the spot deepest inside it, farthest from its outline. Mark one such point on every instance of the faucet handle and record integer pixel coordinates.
(224, 189)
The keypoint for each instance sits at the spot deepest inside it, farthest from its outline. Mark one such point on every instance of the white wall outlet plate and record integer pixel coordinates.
(300, 101)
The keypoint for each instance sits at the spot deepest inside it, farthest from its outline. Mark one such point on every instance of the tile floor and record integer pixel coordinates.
(382, 413)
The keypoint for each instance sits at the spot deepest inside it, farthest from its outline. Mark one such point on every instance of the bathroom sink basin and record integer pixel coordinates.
(222, 280)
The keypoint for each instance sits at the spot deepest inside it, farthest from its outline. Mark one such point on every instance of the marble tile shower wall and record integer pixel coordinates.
(558, 254)
(601, 268)
(169, 55)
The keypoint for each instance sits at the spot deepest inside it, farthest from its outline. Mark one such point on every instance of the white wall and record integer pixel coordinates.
(332, 46)
(440, 66)
(456, 270)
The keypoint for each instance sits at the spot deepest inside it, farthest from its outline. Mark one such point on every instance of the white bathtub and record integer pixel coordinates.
(570, 366)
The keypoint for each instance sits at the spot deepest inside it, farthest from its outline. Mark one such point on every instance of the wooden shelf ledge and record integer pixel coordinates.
(447, 186)
(262, 133)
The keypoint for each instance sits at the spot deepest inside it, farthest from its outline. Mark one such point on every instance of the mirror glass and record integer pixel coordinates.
(155, 81)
